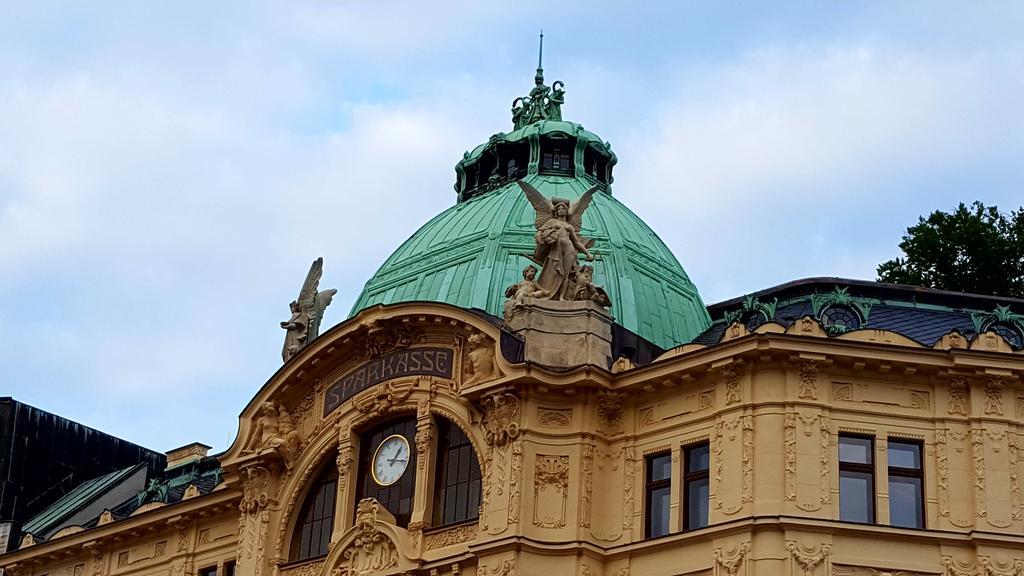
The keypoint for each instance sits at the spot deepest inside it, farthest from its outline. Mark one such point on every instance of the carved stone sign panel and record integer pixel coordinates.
(410, 362)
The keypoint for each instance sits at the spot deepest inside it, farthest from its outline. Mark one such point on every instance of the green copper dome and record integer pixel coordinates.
(470, 253)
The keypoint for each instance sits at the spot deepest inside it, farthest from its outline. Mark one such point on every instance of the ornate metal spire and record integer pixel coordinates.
(543, 102)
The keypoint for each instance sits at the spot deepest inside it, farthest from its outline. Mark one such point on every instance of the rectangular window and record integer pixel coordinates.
(229, 568)
(208, 571)
(856, 479)
(697, 460)
(906, 494)
(659, 480)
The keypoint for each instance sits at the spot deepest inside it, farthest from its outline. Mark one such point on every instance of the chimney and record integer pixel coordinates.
(187, 454)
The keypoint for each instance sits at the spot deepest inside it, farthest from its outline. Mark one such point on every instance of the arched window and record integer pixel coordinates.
(458, 477)
(838, 319)
(1009, 333)
(752, 320)
(316, 518)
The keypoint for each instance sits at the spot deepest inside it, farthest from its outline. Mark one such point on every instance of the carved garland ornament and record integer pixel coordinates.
(730, 564)
(994, 397)
(808, 558)
(732, 385)
(587, 485)
(501, 418)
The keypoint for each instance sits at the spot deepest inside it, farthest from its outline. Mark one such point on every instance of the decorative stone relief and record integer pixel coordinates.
(371, 551)
(734, 448)
(732, 385)
(629, 469)
(609, 410)
(554, 417)
(505, 568)
(842, 570)
(191, 492)
(622, 364)
(994, 397)
(1014, 458)
(978, 450)
(952, 340)
(424, 437)
(808, 558)
(550, 490)
(274, 431)
(729, 563)
(992, 567)
(587, 484)
(1000, 456)
(501, 418)
(380, 336)
(183, 533)
(954, 567)
(812, 439)
(479, 364)
(450, 537)
(254, 518)
(306, 569)
(957, 401)
(882, 396)
(953, 473)
(382, 397)
(808, 380)
(513, 485)
(98, 564)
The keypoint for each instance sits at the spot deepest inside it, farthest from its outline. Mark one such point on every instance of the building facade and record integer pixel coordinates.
(825, 427)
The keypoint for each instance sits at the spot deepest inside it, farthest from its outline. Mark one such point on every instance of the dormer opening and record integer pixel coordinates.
(596, 164)
(556, 155)
(499, 164)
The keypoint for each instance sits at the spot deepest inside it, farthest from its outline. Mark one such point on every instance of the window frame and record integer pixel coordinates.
(446, 430)
(323, 482)
(901, 472)
(689, 478)
(856, 467)
(650, 486)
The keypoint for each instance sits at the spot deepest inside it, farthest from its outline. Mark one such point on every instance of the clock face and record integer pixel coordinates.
(390, 460)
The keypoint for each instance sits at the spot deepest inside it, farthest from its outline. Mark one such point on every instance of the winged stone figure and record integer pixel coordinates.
(558, 240)
(307, 311)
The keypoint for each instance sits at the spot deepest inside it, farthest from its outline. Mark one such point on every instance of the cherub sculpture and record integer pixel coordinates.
(307, 311)
(558, 240)
(528, 288)
(585, 289)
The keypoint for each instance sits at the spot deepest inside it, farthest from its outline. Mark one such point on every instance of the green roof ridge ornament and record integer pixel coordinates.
(1000, 315)
(543, 102)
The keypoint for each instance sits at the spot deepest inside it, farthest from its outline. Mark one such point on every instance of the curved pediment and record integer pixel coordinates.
(374, 545)
(364, 362)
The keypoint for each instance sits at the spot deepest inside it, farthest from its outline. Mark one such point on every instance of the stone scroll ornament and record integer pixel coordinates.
(307, 311)
(558, 245)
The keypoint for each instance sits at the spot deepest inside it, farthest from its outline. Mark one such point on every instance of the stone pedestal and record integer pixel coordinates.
(564, 334)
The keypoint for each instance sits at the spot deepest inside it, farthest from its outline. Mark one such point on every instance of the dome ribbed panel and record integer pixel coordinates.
(469, 254)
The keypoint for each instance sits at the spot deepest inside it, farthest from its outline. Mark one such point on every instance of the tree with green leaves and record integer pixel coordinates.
(971, 249)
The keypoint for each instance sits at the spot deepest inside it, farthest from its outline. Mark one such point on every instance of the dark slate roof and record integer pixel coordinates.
(921, 314)
(170, 487)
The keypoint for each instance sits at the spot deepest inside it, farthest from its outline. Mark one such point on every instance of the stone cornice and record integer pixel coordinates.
(218, 502)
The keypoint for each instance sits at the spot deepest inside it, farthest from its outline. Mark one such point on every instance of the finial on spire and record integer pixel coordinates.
(539, 78)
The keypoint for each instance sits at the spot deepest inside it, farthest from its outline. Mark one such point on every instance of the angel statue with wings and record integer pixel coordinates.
(558, 240)
(307, 311)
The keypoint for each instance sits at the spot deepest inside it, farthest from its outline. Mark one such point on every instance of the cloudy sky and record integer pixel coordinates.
(169, 169)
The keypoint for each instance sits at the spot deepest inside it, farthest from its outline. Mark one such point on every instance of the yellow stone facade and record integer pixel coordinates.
(562, 456)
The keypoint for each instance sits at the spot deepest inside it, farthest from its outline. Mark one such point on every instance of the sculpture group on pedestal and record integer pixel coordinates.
(558, 246)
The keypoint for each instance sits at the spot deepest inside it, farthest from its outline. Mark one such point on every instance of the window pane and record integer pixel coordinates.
(905, 454)
(905, 502)
(697, 496)
(659, 512)
(661, 468)
(855, 497)
(698, 458)
(855, 450)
